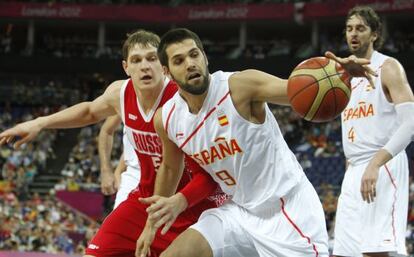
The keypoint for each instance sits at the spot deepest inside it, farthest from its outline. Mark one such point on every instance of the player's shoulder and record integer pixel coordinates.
(391, 63)
(115, 86)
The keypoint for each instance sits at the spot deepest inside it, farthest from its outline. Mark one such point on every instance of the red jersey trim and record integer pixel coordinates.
(168, 118)
(393, 202)
(203, 121)
(297, 228)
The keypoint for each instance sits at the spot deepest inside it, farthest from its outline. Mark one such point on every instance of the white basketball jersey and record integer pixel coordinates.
(251, 162)
(130, 157)
(369, 120)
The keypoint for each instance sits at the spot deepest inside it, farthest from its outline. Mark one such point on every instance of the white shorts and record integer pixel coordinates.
(295, 228)
(379, 226)
(129, 181)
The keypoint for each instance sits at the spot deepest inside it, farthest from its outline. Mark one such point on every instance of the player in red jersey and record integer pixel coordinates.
(135, 100)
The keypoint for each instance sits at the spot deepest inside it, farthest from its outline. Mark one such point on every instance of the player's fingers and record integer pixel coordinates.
(360, 61)
(18, 143)
(166, 227)
(374, 190)
(9, 139)
(370, 71)
(162, 220)
(155, 208)
(332, 56)
(157, 211)
(149, 200)
(364, 190)
(2, 141)
(370, 80)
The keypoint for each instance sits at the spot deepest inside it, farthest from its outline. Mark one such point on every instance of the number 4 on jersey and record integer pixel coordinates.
(351, 135)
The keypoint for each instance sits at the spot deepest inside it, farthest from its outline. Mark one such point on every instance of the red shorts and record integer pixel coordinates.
(120, 230)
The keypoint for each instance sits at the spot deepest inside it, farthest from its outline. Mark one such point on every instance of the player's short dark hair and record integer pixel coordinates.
(141, 37)
(372, 20)
(174, 36)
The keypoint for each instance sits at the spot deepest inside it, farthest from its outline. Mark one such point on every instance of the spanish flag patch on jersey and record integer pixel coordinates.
(223, 121)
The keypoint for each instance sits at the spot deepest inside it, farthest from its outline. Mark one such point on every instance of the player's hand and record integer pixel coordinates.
(23, 132)
(164, 210)
(356, 67)
(369, 183)
(145, 240)
(108, 186)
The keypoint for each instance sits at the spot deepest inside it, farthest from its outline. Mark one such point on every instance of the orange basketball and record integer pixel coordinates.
(319, 89)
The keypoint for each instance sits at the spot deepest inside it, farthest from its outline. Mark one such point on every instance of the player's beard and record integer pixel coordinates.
(197, 89)
(360, 51)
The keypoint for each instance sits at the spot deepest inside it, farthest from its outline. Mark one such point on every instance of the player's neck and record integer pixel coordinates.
(367, 54)
(194, 102)
(148, 97)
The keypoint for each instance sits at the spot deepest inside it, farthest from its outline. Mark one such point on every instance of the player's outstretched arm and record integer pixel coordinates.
(256, 86)
(394, 80)
(79, 115)
(105, 141)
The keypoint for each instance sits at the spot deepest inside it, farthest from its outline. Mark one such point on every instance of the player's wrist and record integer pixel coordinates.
(181, 201)
(41, 122)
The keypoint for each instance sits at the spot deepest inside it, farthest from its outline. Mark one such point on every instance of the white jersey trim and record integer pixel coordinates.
(122, 99)
(148, 117)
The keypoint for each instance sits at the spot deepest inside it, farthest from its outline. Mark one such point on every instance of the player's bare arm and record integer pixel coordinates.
(257, 86)
(120, 168)
(79, 115)
(163, 209)
(398, 91)
(105, 141)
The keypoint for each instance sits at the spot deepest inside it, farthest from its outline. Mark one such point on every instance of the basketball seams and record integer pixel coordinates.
(321, 93)
(308, 91)
(330, 83)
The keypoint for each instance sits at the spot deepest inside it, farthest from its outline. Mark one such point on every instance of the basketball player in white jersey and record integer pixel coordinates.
(147, 87)
(126, 176)
(223, 122)
(377, 125)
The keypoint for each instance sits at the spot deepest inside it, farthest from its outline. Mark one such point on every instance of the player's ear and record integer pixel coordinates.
(374, 36)
(205, 58)
(166, 71)
(125, 66)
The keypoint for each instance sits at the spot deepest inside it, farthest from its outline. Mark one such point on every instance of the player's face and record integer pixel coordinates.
(359, 36)
(188, 66)
(144, 67)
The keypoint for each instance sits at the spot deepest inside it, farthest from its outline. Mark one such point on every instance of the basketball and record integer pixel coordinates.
(319, 89)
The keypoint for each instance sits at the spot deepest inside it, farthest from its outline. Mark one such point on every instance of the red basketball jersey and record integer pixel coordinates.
(147, 144)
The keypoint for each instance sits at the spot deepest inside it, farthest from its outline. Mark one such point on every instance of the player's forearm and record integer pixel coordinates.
(200, 187)
(380, 158)
(121, 167)
(105, 143)
(75, 116)
(167, 180)
(405, 132)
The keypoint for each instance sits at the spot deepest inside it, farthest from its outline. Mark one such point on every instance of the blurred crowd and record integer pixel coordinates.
(81, 172)
(42, 225)
(67, 45)
(18, 167)
(163, 2)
